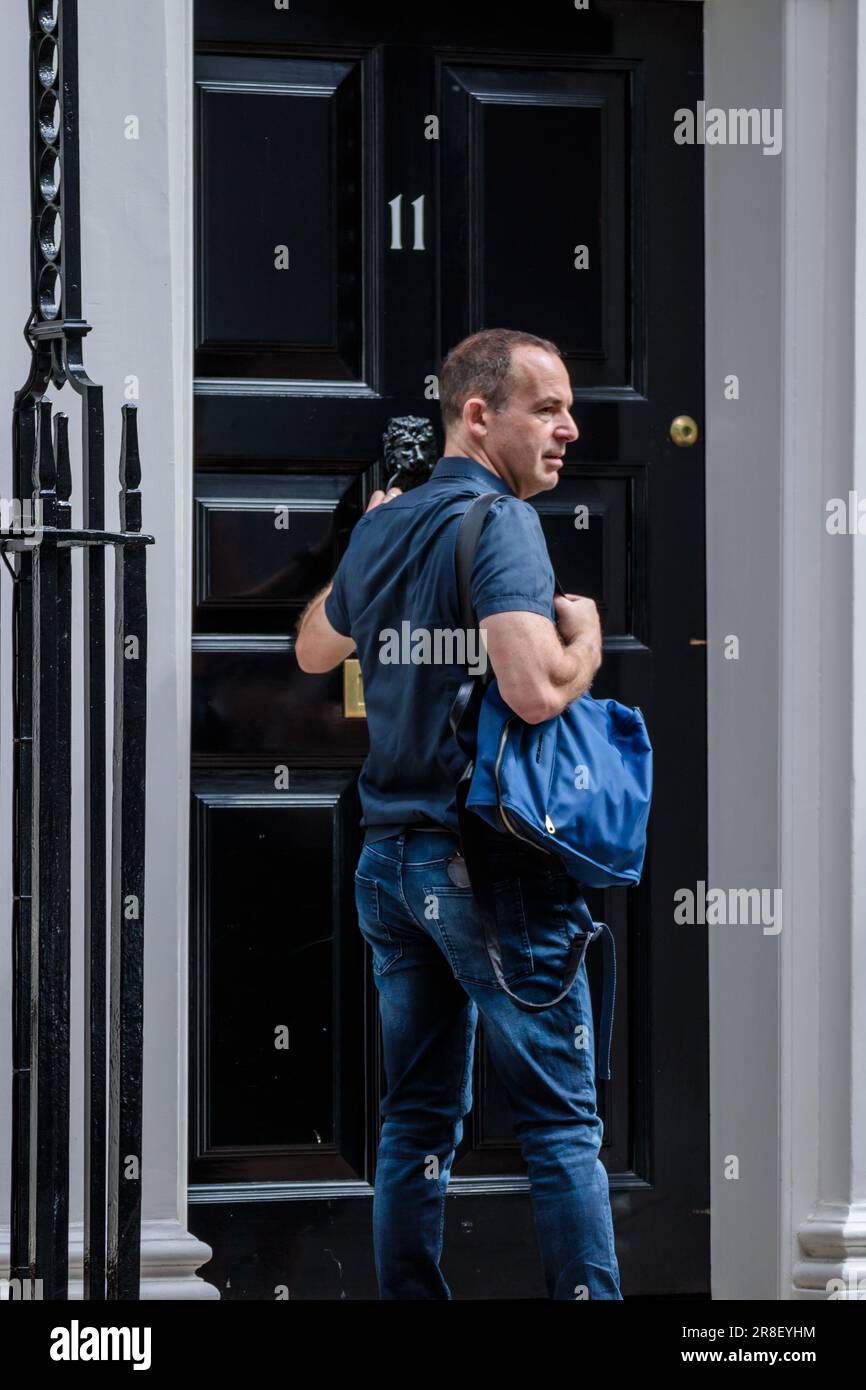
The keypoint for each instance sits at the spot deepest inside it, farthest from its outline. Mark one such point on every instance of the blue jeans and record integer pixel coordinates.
(433, 977)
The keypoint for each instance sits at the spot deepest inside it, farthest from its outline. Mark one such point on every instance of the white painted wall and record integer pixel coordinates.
(823, 1143)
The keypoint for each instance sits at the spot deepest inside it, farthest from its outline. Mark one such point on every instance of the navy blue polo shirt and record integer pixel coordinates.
(395, 593)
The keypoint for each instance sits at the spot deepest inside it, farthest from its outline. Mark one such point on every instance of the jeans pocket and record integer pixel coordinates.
(454, 913)
(554, 901)
(386, 949)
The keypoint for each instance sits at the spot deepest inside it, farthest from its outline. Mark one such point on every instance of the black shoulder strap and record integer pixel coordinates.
(468, 532)
(467, 700)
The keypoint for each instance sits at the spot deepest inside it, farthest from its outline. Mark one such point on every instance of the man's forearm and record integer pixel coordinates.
(579, 661)
(319, 646)
(313, 605)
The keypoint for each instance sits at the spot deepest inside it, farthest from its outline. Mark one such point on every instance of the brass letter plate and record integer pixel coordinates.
(353, 690)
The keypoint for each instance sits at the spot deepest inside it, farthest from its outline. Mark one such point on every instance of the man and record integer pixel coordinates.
(506, 401)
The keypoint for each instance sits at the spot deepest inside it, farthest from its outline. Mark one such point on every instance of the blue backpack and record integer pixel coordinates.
(577, 786)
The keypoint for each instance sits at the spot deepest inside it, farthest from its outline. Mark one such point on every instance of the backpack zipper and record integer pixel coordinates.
(499, 806)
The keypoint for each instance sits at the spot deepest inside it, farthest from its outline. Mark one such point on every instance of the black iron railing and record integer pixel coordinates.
(39, 557)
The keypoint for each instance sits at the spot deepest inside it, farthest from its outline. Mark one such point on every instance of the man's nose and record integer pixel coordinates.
(568, 429)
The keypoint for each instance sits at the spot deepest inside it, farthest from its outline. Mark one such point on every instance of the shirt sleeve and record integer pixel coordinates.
(512, 570)
(335, 603)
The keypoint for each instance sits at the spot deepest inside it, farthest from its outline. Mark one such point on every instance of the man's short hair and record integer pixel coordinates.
(481, 366)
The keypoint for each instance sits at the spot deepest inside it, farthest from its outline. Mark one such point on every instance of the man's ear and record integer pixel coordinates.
(474, 412)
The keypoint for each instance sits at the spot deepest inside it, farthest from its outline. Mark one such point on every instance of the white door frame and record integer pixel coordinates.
(785, 249)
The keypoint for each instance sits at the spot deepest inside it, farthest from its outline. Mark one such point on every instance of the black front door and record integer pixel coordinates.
(370, 189)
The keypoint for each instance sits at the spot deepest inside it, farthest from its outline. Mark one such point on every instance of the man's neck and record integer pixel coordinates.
(455, 450)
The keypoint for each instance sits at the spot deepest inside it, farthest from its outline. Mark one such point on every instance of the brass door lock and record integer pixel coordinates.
(684, 431)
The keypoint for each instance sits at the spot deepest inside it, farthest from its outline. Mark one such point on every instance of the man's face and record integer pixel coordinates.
(527, 440)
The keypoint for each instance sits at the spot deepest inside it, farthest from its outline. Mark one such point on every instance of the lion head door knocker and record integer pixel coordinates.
(410, 451)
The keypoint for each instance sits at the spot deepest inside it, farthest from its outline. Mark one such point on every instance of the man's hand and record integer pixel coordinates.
(577, 617)
(579, 627)
(318, 646)
(378, 497)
